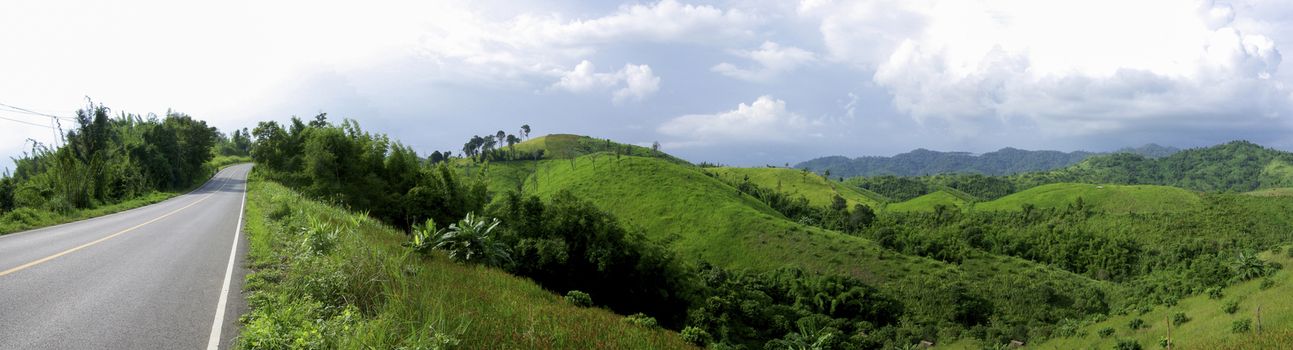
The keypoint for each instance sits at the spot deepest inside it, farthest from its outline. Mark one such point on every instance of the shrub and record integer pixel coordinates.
(579, 298)
(695, 335)
(1290, 252)
(1136, 323)
(1179, 319)
(1267, 283)
(1165, 343)
(1215, 293)
(320, 236)
(641, 319)
(1127, 344)
(1105, 332)
(280, 211)
(1231, 307)
(1241, 325)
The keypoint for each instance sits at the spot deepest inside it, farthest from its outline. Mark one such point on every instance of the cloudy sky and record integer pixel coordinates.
(737, 82)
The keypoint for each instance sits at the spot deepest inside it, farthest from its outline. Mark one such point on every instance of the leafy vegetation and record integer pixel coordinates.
(367, 291)
(108, 164)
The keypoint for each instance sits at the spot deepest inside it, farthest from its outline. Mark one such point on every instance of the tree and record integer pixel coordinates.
(525, 131)
(860, 218)
(500, 136)
(512, 140)
(655, 147)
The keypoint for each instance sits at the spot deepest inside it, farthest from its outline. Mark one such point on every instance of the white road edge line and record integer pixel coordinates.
(213, 343)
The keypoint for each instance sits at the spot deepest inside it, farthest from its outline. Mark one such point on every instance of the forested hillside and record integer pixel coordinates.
(1238, 166)
(926, 162)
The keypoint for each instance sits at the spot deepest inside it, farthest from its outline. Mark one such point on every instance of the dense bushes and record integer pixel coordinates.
(364, 172)
(568, 244)
(107, 160)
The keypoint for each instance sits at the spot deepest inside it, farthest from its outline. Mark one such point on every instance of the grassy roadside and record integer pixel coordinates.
(23, 219)
(327, 278)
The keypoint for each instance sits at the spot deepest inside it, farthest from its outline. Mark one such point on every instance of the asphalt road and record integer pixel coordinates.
(148, 278)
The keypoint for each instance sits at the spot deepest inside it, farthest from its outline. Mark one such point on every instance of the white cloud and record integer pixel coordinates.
(633, 82)
(1070, 67)
(473, 46)
(773, 59)
(766, 120)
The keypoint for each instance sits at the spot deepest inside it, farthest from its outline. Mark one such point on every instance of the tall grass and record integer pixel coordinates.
(364, 290)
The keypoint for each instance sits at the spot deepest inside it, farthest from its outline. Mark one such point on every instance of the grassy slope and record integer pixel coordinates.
(708, 219)
(402, 300)
(1111, 198)
(818, 190)
(1209, 327)
(927, 202)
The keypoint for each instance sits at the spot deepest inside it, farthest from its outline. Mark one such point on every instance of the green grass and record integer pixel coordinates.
(819, 191)
(928, 202)
(704, 217)
(362, 290)
(1209, 327)
(1110, 198)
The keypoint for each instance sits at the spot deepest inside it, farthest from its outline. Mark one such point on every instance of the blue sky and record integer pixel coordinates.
(737, 82)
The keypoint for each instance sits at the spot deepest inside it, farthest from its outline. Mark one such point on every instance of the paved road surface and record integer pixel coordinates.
(148, 278)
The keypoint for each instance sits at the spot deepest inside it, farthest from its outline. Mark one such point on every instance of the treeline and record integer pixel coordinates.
(106, 160)
(923, 162)
(492, 147)
(900, 189)
(1237, 166)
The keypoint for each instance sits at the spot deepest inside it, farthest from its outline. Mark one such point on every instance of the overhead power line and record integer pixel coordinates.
(24, 110)
(26, 122)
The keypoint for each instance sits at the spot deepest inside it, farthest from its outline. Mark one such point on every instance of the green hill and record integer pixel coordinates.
(1238, 166)
(1110, 198)
(705, 218)
(928, 202)
(567, 146)
(817, 189)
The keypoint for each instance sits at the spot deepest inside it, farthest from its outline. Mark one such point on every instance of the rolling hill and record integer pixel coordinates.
(922, 162)
(1238, 166)
(1109, 198)
(817, 189)
(706, 219)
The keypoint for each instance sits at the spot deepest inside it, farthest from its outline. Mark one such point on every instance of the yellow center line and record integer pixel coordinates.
(97, 241)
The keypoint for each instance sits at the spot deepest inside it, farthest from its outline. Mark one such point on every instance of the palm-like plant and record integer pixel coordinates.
(1248, 266)
(424, 237)
(471, 241)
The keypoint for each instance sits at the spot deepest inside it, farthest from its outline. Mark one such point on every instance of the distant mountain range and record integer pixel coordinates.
(1005, 161)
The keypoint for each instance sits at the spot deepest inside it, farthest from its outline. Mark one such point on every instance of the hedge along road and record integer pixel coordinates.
(164, 276)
